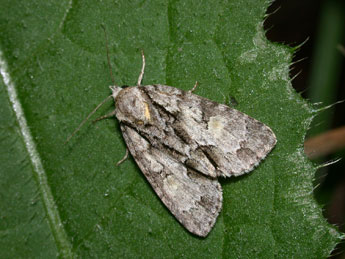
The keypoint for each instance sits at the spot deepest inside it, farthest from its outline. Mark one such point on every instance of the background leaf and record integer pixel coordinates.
(54, 53)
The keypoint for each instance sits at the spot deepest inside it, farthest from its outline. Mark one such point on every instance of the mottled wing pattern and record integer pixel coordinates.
(194, 199)
(183, 142)
(213, 138)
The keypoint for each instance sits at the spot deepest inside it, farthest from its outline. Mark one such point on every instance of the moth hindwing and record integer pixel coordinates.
(183, 142)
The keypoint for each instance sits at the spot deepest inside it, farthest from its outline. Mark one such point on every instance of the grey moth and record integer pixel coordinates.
(183, 142)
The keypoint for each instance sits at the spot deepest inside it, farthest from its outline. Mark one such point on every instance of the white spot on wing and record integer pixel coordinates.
(216, 125)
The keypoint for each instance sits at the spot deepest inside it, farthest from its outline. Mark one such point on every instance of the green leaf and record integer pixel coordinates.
(71, 200)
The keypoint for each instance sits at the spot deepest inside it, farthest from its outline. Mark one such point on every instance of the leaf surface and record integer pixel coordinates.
(54, 54)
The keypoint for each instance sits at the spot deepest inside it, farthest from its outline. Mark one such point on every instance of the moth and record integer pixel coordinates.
(183, 143)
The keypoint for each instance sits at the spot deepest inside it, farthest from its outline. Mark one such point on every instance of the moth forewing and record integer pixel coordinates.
(192, 198)
(224, 140)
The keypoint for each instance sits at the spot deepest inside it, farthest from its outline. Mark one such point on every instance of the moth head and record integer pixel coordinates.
(131, 105)
(115, 91)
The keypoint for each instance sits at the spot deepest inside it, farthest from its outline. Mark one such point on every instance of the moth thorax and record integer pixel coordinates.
(132, 106)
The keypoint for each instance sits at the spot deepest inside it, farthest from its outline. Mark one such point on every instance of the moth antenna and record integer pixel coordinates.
(194, 87)
(87, 118)
(106, 45)
(142, 69)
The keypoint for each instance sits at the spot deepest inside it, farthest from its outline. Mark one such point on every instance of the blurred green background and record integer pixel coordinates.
(319, 74)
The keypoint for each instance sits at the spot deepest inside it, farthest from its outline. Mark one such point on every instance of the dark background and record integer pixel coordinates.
(319, 75)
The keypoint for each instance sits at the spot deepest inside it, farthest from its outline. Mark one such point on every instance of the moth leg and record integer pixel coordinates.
(194, 87)
(123, 159)
(112, 114)
(142, 69)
